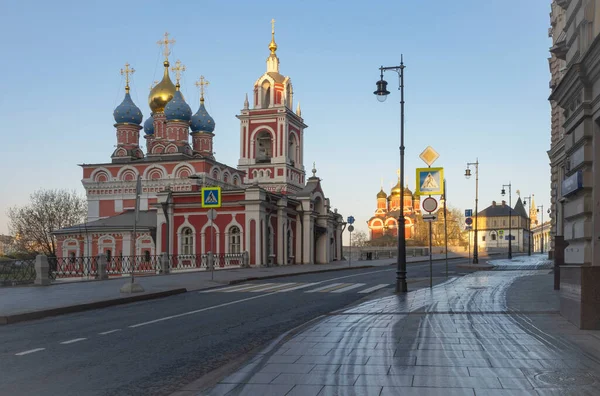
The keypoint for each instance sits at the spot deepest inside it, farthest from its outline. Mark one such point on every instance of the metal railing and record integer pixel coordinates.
(72, 267)
(123, 265)
(201, 261)
(17, 272)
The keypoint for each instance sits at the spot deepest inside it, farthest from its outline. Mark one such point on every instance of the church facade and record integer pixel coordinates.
(270, 209)
(385, 220)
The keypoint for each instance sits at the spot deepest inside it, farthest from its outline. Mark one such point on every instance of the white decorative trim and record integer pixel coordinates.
(127, 168)
(154, 167)
(181, 165)
(179, 233)
(99, 170)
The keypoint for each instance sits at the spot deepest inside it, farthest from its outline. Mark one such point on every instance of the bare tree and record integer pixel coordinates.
(48, 210)
(456, 235)
(359, 238)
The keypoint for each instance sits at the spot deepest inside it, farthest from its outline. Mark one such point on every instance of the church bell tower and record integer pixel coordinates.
(271, 133)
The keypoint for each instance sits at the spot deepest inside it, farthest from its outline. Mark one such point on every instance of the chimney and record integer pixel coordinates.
(503, 203)
(493, 204)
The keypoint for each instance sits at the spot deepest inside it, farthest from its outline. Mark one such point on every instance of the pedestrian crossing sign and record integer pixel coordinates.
(430, 181)
(211, 197)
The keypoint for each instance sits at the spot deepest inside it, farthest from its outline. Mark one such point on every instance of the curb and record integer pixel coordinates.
(9, 319)
(476, 266)
(253, 278)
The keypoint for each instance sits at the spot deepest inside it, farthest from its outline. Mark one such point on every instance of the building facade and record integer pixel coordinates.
(576, 196)
(269, 208)
(385, 220)
(493, 231)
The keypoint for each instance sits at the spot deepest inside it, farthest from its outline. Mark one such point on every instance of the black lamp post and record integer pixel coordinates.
(525, 200)
(468, 175)
(382, 94)
(542, 229)
(509, 185)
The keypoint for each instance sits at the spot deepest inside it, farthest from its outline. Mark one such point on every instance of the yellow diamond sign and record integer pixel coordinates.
(429, 155)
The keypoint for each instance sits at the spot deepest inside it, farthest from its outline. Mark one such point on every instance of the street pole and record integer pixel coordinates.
(212, 248)
(467, 175)
(528, 200)
(381, 93)
(430, 257)
(509, 185)
(350, 256)
(446, 226)
(542, 229)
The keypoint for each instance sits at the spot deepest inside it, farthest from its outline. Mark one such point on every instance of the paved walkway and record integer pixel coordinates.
(32, 302)
(487, 333)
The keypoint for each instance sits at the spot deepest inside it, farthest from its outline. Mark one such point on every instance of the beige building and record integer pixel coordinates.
(493, 228)
(575, 100)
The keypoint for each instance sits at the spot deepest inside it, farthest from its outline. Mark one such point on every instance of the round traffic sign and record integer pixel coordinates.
(430, 204)
(212, 214)
(468, 221)
(350, 228)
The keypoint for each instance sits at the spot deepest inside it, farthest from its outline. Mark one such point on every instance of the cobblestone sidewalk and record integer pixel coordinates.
(488, 333)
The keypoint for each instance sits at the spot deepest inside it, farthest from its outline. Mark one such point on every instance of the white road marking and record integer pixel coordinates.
(200, 310)
(298, 287)
(329, 286)
(73, 340)
(343, 289)
(109, 331)
(29, 351)
(247, 288)
(372, 289)
(274, 287)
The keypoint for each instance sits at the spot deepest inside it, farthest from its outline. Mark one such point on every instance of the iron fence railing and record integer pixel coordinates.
(72, 267)
(17, 272)
(122, 265)
(200, 261)
(229, 260)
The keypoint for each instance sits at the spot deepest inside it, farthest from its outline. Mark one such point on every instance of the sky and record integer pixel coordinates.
(476, 87)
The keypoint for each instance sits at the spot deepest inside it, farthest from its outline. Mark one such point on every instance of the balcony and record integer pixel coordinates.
(559, 49)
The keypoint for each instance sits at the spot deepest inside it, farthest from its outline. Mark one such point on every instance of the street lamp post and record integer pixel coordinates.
(542, 229)
(525, 200)
(509, 185)
(382, 94)
(468, 175)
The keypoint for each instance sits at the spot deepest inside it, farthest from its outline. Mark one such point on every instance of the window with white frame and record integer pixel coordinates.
(187, 241)
(235, 240)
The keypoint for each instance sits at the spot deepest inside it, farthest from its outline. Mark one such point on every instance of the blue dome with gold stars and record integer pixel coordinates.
(149, 126)
(128, 112)
(202, 121)
(177, 109)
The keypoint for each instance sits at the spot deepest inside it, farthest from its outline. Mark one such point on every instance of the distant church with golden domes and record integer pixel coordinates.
(270, 210)
(385, 220)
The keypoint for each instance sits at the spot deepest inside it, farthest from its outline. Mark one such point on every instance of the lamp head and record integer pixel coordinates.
(467, 173)
(381, 91)
(503, 192)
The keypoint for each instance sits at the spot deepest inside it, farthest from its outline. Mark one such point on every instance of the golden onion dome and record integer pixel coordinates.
(407, 191)
(162, 92)
(381, 194)
(396, 189)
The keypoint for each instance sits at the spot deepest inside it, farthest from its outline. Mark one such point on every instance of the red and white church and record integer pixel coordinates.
(270, 209)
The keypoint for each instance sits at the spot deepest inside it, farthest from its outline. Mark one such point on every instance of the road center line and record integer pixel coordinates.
(201, 310)
(109, 331)
(73, 340)
(29, 351)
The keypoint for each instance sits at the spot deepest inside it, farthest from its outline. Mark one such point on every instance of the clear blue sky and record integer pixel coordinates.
(476, 86)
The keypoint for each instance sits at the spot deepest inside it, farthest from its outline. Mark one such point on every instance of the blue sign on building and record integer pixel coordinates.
(572, 183)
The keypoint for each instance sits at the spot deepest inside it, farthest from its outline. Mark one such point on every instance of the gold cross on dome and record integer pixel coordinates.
(272, 26)
(201, 84)
(398, 173)
(178, 69)
(165, 42)
(127, 71)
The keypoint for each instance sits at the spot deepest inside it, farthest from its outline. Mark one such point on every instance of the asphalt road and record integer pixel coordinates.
(156, 347)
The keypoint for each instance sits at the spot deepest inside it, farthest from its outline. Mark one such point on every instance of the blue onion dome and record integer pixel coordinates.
(128, 112)
(149, 126)
(177, 109)
(202, 121)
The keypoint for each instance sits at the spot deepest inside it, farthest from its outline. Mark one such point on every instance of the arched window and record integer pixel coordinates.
(493, 236)
(235, 239)
(187, 241)
(266, 91)
(264, 147)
